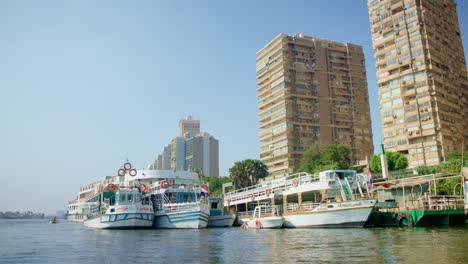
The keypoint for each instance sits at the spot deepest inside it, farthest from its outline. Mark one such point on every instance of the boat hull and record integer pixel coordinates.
(221, 220)
(266, 222)
(121, 221)
(338, 217)
(183, 219)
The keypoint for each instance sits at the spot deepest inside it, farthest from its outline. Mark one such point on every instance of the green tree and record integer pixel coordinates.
(375, 164)
(395, 161)
(319, 158)
(247, 172)
(457, 156)
(448, 186)
(452, 165)
(216, 184)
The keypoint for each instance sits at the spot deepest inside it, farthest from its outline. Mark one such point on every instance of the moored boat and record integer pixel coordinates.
(264, 217)
(217, 218)
(333, 198)
(330, 214)
(179, 204)
(121, 208)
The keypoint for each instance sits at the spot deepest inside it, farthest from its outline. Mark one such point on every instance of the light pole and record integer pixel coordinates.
(383, 162)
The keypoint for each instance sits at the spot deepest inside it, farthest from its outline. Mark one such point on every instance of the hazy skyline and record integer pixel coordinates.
(87, 84)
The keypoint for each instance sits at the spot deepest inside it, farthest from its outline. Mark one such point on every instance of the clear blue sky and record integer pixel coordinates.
(85, 85)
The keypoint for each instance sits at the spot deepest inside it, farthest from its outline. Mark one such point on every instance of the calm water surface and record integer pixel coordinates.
(36, 241)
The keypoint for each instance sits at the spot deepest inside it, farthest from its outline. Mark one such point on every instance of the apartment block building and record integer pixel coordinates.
(421, 76)
(311, 91)
(189, 127)
(201, 153)
(163, 161)
(192, 152)
(178, 153)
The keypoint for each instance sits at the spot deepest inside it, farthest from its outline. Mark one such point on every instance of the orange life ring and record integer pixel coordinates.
(132, 172)
(296, 182)
(127, 165)
(111, 187)
(258, 224)
(121, 172)
(164, 184)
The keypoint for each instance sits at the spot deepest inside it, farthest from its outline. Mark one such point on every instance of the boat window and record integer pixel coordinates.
(214, 205)
(122, 198)
(130, 197)
(137, 197)
(340, 175)
(187, 198)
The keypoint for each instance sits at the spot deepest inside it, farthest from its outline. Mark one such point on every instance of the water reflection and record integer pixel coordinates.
(32, 241)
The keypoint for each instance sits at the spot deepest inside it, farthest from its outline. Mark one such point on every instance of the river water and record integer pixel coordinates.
(36, 241)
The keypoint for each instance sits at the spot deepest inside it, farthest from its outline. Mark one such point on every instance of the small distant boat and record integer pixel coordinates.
(217, 218)
(264, 217)
(53, 220)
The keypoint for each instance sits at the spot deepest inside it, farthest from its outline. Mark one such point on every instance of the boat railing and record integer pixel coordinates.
(181, 207)
(309, 206)
(267, 184)
(292, 207)
(444, 202)
(263, 190)
(244, 214)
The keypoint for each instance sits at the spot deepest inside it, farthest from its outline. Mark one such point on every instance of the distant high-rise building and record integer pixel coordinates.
(166, 157)
(189, 127)
(178, 153)
(311, 91)
(194, 151)
(421, 76)
(201, 153)
(157, 164)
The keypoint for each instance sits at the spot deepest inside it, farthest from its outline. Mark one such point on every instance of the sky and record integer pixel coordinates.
(87, 84)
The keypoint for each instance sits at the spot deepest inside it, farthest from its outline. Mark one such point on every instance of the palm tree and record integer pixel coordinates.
(247, 172)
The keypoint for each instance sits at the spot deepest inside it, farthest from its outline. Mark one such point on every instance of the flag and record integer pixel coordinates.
(205, 190)
(136, 183)
(369, 177)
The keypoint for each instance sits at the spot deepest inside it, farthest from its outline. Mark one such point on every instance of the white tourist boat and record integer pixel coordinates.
(121, 208)
(177, 197)
(217, 218)
(264, 217)
(77, 211)
(79, 208)
(333, 198)
(179, 205)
